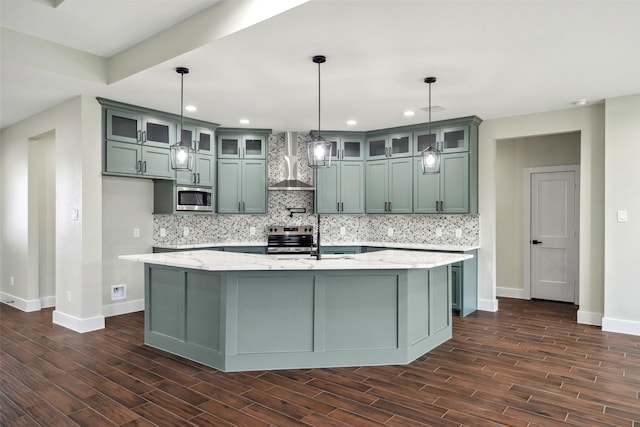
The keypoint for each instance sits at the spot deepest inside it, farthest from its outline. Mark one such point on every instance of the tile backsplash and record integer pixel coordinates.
(431, 229)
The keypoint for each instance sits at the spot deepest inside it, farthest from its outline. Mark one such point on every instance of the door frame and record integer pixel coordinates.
(527, 223)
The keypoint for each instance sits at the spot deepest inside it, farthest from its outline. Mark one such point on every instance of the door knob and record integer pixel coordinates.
(536, 242)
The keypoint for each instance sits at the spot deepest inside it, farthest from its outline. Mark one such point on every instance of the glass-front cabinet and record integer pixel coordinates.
(239, 146)
(137, 128)
(345, 146)
(201, 140)
(389, 146)
(448, 140)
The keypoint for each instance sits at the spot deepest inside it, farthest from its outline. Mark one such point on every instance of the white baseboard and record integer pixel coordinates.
(47, 302)
(123, 308)
(20, 303)
(589, 318)
(512, 293)
(488, 305)
(76, 324)
(630, 327)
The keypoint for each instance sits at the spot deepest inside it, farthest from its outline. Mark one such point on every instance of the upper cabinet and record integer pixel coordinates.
(453, 139)
(136, 143)
(385, 146)
(202, 140)
(137, 128)
(345, 145)
(241, 146)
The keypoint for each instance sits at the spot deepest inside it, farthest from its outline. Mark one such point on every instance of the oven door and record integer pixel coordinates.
(193, 199)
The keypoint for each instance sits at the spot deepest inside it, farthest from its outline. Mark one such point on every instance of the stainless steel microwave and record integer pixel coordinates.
(194, 199)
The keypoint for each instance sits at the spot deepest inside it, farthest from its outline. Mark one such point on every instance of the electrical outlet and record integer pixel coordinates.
(343, 231)
(118, 292)
(438, 232)
(252, 231)
(390, 232)
(458, 233)
(13, 281)
(163, 232)
(136, 232)
(185, 231)
(68, 296)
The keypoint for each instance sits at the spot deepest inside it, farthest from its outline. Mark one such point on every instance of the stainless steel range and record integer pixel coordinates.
(287, 239)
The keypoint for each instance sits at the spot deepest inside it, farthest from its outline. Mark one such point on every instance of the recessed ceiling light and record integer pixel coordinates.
(244, 121)
(409, 113)
(352, 122)
(191, 108)
(580, 102)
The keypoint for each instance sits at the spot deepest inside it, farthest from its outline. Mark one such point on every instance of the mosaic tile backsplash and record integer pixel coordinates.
(430, 229)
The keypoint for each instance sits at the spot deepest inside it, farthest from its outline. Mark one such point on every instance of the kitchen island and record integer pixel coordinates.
(238, 312)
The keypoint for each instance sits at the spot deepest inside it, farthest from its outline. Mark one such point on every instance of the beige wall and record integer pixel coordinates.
(76, 125)
(127, 204)
(589, 122)
(512, 157)
(622, 189)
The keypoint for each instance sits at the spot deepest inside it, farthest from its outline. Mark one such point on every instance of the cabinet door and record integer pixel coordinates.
(158, 133)
(377, 148)
(204, 141)
(229, 146)
(454, 182)
(186, 177)
(254, 147)
(352, 149)
(156, 163)
(122, 157)
(229, 186)
(204, 166)
(376, 188)
(254, 187)
(401, 185)
(328, 189)
(426, 190)
(424, 140)
(454, 139)
(400, 145)
(351, 187)
(124, 127)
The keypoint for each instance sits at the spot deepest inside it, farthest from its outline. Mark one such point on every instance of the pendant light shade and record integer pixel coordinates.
(318, 149)
(181, 153)
(430, 155)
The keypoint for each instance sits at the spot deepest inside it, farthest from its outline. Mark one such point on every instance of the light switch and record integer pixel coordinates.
(136, 232)
(75, 214)
(622, 216)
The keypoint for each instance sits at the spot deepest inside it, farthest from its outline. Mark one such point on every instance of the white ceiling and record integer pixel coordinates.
(491, 58)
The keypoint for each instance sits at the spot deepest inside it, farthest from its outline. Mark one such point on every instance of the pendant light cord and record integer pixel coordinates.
(319, 99)
(182, 103)
(430, 113)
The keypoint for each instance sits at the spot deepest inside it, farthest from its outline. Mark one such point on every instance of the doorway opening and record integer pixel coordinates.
(42, 217)
(513, 156)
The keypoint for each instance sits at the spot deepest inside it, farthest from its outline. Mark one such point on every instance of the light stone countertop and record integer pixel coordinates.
(230, 261)
(390, 245)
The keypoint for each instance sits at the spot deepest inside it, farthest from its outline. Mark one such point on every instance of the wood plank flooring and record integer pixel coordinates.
(529, 364)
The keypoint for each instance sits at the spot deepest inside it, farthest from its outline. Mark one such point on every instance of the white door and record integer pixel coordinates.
(553, 236)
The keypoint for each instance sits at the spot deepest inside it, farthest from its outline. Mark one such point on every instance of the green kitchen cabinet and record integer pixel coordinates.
(464, 285)
(137, 128)
(201, 140)
(452, 139)
(344, 145)
(446, 192)
(137, 160)
(242, 146)
(383, 146)
(242, 186)
(340, 188)
(389, 186)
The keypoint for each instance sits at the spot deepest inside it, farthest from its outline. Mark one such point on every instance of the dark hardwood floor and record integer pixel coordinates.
(529, 364)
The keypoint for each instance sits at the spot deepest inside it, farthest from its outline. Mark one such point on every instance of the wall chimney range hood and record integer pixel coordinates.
(291, 181)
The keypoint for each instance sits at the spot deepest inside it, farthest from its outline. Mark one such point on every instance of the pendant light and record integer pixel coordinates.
(318, 149)
(430, 155)
(181, 153)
